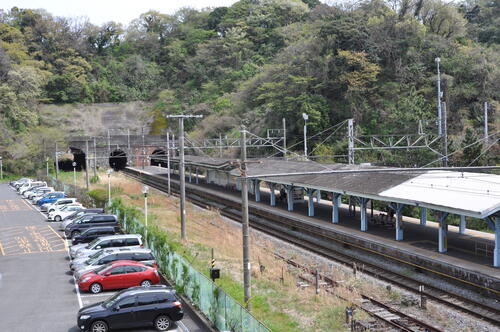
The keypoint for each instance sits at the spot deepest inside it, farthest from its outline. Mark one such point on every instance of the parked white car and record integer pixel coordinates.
(61, 212)
(111, 241)
(60, 202)
(40, 193)
(32, 185)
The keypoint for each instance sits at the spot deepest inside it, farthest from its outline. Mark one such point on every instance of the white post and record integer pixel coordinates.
(463, 225)
(423, 216)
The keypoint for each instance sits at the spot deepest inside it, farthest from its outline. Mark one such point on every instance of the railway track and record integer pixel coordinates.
(308, 238)
(390, 316)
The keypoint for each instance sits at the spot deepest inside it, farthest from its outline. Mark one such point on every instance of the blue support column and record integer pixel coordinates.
(423, 216)
(363, 202)
(272, 186)
(496, 251)
(463, 225)
(256, 186)
(443, 232)
(197, 178)
(398, 207)
(289, 197)
(335, 207)
(310, 202)
(318, 196)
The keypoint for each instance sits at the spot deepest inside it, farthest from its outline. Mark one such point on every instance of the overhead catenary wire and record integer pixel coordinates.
(462, 148)
(484, 151)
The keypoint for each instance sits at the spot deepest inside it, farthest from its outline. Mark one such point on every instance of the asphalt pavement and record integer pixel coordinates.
(37, 289)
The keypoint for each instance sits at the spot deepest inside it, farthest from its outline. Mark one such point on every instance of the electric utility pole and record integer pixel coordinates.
(181, 170)
(57, 163)
(244, 222)
(87, 182)
(440, 114)
(284, 138)
(486, 123)
(168, 163)
(445, 136)
(95, 158)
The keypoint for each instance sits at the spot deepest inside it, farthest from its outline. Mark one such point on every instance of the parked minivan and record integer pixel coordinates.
(79, 226)
(78, 216)
(112, 241)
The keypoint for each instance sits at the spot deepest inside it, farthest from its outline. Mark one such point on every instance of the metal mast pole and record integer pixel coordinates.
(109, 144)
(182, 180)
(95, 158)
(445, 136)
(168, 163)
(87, 182)
(57, 163)
(350, 135)
(440, 114)
(220, 145)
(284, 138)
(305, 138)
(244, 222)
(181, 171)
(486, 123)
(143, 152)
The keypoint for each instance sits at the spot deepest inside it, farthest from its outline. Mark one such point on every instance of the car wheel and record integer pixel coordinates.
(95, 288)
(145, 283)
(162, 323)
(99, 326)
(57, 218)
(75, 234)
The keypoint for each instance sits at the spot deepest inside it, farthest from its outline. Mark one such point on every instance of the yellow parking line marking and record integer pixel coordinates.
(1, 249)
(59, 236)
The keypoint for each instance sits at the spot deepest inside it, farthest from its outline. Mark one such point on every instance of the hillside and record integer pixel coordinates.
(257, 62)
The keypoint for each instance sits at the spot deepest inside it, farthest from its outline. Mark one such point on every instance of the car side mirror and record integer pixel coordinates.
(107, 274)
(116, 308)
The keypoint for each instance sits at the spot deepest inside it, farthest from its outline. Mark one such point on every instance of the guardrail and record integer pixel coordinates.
(225, 313)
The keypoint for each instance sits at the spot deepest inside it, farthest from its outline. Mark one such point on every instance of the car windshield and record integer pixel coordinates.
(93, 242)
(96, 255)
(112, 300)
(101, 269)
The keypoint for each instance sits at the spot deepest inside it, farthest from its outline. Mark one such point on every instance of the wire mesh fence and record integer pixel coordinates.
(225, 313)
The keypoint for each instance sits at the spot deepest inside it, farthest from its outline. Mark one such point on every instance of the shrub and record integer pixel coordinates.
(100, 197)
(94, 179)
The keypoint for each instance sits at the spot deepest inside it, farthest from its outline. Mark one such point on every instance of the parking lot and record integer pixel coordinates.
(37, 288)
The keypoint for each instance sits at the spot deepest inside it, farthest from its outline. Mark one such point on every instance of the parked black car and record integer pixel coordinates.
(93, 233)
(156, 306)
(79, 226)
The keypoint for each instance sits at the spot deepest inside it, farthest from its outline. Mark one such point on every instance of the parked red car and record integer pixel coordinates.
(118, 274)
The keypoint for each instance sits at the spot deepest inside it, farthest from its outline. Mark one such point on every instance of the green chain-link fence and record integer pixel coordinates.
(222, 310)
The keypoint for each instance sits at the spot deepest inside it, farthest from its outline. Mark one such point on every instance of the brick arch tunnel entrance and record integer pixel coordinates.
(118, 160)
(76, 155)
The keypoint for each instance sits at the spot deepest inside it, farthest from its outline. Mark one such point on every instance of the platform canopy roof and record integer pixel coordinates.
(470, 194)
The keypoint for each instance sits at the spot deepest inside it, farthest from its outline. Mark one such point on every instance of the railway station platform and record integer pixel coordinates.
(469, 255)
